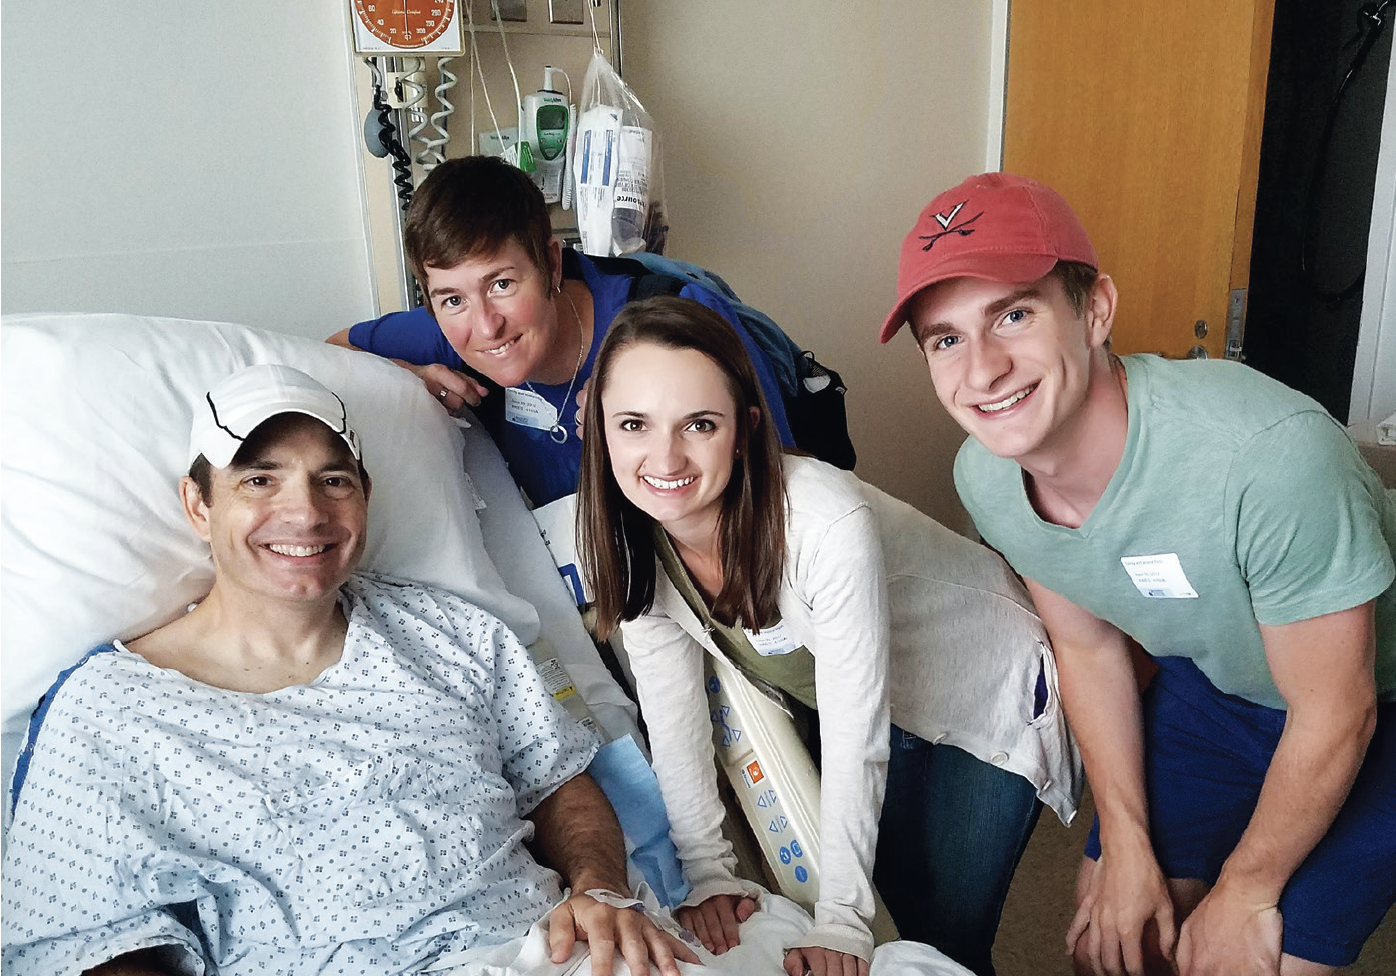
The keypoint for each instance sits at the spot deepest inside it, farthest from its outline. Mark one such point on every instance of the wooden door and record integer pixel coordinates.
(1147, 117)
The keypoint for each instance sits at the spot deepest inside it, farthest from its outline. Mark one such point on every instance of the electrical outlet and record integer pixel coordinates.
(566, 11)
(515, 10)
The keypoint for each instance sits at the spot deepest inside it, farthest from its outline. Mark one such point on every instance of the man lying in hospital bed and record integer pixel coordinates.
(227, 901)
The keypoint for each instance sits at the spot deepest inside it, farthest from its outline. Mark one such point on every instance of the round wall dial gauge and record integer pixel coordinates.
(403, 25)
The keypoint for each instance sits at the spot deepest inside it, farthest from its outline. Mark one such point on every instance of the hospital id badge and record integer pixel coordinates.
(773, 640)
(524, 408)
(1159, 577)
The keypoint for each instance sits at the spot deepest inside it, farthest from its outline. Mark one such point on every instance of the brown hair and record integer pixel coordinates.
(201, 471)
(474, 206)
(1077, 280)
(616, 539)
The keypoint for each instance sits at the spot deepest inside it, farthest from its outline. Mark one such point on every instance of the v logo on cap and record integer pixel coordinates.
(963, 228)
(945, 220)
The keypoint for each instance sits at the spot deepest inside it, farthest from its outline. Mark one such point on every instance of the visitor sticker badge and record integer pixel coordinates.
(773, 640)
(1159, 577)
(525, 408)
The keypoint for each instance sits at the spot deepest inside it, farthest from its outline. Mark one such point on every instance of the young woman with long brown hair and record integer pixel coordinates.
(699, 536)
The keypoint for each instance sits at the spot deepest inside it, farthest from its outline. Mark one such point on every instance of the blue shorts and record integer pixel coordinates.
(1206, 755)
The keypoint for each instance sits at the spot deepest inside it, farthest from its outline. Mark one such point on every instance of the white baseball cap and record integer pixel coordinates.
(234, 408)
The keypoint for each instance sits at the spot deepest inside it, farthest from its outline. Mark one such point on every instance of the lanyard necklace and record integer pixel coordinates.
(558, 432)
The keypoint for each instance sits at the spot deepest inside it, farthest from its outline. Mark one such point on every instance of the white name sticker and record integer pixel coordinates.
(775, 639)
(1159, 577)
(528, 409)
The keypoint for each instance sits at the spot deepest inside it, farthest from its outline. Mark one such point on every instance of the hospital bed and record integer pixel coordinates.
(93, 545)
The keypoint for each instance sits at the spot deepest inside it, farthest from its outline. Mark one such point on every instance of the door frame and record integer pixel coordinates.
(998, 86)
(1374, 372)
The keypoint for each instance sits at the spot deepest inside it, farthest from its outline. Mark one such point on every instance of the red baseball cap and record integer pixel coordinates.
(995, 226)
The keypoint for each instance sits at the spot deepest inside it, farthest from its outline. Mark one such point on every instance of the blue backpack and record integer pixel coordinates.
(813, 394)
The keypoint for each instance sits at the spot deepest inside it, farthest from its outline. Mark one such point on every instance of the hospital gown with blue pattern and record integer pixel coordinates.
(364, 823)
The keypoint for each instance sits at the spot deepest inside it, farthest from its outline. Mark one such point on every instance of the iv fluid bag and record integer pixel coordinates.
(619, 177)
(598, 138)
(632, 191)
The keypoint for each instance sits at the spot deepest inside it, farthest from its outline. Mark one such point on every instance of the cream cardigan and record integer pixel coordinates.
(881, 595)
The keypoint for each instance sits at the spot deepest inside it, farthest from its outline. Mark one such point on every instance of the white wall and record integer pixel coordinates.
(800, 142)
(194, 159)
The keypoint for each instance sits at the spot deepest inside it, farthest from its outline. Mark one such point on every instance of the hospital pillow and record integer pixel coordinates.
(96, 426)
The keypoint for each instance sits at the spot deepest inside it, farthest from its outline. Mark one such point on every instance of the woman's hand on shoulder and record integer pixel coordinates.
(824, 962)
(716, 919)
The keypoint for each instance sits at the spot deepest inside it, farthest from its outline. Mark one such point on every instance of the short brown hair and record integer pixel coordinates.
(616, 539)
(201, 471)
(473, 206)
(1077, 280)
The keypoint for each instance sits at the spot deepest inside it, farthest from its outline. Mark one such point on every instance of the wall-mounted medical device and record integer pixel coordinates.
(545, 122)
(406, 26)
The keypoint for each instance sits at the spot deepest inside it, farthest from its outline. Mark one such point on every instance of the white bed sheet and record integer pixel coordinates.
(765, 935)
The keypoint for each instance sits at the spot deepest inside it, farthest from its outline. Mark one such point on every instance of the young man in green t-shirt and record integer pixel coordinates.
(1247, 799)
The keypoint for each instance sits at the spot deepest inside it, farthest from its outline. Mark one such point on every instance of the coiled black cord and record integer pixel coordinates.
(387, 138)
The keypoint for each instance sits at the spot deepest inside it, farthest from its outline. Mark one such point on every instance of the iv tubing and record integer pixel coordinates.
(595, 37)
(504, 43)
(484, 88)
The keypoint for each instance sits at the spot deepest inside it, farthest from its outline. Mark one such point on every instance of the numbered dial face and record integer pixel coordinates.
(405, 24)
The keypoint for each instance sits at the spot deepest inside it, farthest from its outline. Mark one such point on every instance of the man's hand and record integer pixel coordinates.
(1123, 906)
(1325, 669)
(577, 835)
(454, 391)
(603, 927)
(824, 962)
(715, 921)
(1231, 933)
(1111, 932)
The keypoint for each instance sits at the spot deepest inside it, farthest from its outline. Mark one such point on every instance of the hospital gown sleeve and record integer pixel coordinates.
(668, 668)
(840, 576)
(73, 896)
(541, 746)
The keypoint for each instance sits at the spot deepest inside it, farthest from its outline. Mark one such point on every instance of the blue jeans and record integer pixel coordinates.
(952, 832)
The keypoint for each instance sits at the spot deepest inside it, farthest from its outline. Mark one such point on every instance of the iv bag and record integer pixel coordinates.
(618, 172)
(630, 204)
